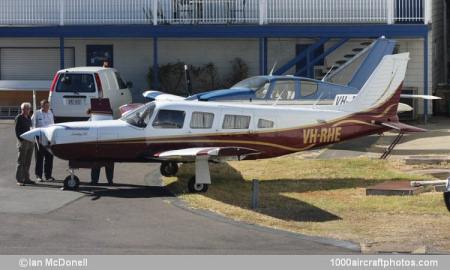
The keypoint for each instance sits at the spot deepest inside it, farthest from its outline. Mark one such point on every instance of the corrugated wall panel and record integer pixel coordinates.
(32, 63)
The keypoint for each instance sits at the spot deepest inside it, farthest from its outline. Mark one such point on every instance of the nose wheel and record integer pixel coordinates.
(168, 168)
(71, 182)
(194, 187)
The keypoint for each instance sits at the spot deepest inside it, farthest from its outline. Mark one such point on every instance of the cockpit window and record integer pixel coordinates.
(262, 92)
(308, 88)
(169, 119)
(253, 83)
(140, 116)
(284, 90)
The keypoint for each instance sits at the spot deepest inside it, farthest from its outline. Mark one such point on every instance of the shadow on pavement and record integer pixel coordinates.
(116, 190)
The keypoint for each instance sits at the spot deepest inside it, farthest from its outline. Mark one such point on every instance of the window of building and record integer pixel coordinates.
(284, 90)
(236, 121)
(202, 120)
(169, 119)
(263, 123)
(308, 88)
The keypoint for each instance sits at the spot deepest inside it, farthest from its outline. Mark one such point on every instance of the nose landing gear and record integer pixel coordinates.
(71, 182)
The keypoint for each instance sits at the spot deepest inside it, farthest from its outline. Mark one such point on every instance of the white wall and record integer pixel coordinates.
(133, 57)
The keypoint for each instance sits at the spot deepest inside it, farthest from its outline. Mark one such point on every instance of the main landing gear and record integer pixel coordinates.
(71, 182)
(195, 187)
(196, 184)
(168, 168)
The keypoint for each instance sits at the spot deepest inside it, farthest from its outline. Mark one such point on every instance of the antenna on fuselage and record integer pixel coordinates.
(328, 73)
(317, 100)
(273, 68)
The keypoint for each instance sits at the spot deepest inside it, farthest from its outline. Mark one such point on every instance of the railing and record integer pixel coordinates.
(76, 12)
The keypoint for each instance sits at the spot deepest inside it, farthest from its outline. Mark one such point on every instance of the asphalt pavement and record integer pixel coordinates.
(132, 217)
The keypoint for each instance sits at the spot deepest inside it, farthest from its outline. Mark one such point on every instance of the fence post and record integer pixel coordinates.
(155, 12)
(428, 6)
(61, 12)
(390, 11)
(255, 193)
(262, 12)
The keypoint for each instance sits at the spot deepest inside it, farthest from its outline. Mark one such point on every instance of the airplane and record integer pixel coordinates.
(172, 132)
(294, 90)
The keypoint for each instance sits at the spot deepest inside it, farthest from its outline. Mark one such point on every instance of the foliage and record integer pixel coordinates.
(171, 77)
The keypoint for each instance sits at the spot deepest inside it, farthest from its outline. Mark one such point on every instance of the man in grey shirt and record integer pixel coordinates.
(24, 148)
(44, 159)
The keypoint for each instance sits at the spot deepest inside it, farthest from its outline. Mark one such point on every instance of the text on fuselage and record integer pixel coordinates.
(322, 135)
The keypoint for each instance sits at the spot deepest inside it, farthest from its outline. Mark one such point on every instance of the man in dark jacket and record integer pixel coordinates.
(24, 148)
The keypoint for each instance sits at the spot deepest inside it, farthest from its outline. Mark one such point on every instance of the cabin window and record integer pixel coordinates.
(169, 119)
(263, 123)
(308, 88)
(202, 120)
(284, 90)
(236, 121)
(120, 82)
(140, 116)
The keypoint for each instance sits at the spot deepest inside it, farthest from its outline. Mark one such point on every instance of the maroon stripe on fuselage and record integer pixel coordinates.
(269, 144)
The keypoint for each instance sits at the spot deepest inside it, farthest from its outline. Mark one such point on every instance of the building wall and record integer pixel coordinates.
(437, 43)
(134, 57)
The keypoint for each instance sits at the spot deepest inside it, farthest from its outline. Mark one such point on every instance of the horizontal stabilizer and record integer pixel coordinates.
(160, 96)
(403, 127)
(402, 107)
(427, 97)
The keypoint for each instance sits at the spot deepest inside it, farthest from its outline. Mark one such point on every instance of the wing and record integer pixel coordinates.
(211, 153)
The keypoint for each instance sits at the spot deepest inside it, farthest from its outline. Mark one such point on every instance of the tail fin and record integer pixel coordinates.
(381, 92)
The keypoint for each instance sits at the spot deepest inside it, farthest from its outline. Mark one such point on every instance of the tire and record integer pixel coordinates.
(71, 185)
(196, 188)
(168, 169)
(447, 199)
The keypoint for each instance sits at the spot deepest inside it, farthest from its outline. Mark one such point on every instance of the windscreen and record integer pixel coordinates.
(140, 116)
(253, 83)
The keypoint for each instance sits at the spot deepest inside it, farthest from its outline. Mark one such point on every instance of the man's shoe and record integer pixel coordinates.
(29, 182)
(20, 184)
(50, 179)
(39, 179)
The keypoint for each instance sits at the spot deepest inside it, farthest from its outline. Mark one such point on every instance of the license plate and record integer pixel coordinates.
(74, 101)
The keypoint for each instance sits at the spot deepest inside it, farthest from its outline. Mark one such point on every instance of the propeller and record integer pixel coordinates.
(36, 141)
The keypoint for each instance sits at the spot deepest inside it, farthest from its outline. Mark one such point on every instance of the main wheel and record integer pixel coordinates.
(70, 184)
(169, 169)
(196, 188)
(447, 199)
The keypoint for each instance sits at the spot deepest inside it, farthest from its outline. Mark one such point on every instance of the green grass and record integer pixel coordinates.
(324, 197)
